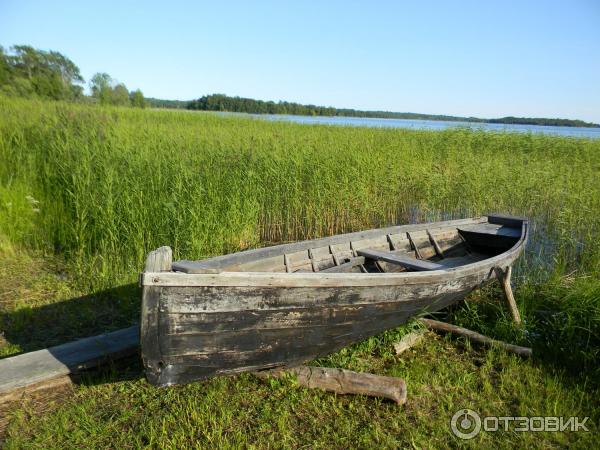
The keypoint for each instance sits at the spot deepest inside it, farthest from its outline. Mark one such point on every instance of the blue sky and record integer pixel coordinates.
(479, 58)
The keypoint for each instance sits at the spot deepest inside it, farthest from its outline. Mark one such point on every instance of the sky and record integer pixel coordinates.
(467, 58)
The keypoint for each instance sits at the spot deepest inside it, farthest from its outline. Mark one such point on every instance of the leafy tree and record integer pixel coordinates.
(4, 68)
(108, 91)
(137, 99)
(101, 87)
(28, 71)
(63, 66)
(120, 95)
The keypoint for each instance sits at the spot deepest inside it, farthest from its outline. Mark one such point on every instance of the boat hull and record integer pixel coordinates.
(195, 326)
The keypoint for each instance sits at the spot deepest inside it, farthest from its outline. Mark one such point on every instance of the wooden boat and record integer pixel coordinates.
(287, 304)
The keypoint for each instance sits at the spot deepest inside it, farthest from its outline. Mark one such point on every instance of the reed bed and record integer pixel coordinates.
(105, 186)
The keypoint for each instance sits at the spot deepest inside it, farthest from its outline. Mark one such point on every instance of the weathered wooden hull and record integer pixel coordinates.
(196, 325)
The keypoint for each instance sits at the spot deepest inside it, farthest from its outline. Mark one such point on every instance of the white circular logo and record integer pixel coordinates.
(465, 424)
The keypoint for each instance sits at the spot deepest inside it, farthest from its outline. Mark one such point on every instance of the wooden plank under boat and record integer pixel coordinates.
(287, 304)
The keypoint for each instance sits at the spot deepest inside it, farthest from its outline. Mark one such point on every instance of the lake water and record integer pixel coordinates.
(432, 125)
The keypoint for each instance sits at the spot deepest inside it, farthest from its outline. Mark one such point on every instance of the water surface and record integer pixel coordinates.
(432, 124)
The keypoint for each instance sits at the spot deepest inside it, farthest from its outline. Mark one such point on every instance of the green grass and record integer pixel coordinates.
(86, 192)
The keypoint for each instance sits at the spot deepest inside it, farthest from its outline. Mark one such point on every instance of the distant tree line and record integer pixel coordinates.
(171, 104)
(221, 102)
(29, 72)
(543, 121)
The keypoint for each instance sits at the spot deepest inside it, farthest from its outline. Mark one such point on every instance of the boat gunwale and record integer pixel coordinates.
(319, 279)
(223, 261)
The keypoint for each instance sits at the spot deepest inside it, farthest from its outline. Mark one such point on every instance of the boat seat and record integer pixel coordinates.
(457, 261)
(492, 229)
(405, 261)
(491, 236)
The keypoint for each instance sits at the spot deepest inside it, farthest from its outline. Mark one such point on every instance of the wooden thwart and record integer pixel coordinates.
(410, 263)
(343, 381)
(493, 230)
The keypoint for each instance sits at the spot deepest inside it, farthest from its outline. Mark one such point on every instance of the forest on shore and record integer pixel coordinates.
(221, 102)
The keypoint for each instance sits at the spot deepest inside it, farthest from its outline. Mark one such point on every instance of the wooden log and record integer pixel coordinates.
(504, 278)
(475, 337)
(343, 381)
(408, 341)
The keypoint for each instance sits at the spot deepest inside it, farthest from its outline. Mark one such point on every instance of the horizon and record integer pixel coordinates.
(536, 60)
(367, 111)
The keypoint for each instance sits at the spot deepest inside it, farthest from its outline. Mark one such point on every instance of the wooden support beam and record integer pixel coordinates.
(286, 261)
(355, 254)
(343, 381)
(313, 264)
(392, 245)
(414, 245)
(504, 279)
(336, 261)
(475, 337)
(435, 244)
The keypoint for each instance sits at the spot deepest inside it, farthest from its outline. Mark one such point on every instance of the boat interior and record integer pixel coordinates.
(433, 248)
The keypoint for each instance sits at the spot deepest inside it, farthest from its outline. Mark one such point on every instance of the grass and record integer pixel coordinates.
(86, 192)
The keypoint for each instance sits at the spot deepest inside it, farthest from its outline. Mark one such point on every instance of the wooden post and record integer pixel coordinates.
(159, 260)
(504, 279)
